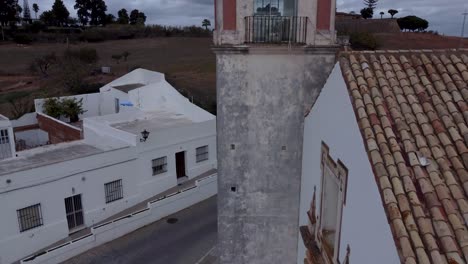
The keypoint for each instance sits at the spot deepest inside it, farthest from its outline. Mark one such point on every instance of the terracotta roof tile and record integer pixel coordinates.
(413, 104)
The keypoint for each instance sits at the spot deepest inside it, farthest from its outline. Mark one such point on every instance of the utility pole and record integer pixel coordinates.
(463, 27)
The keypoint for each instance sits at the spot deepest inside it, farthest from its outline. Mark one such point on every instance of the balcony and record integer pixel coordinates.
(276, 30)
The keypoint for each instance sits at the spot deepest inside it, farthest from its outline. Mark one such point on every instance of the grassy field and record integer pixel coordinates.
(188, 63)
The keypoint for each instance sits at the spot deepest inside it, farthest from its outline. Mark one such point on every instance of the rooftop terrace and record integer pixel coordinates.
(47, 155)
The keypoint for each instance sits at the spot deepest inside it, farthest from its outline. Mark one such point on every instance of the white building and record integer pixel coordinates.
(96, 169)
(385, 165)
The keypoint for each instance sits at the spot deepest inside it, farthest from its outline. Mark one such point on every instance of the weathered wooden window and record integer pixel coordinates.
(29, 217)
(202, 153)
(333, 198)
(159, 165)
(114, 191)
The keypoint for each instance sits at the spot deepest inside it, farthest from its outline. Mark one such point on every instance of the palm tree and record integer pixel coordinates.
(206, 23)
(35, 8)
(381, 15)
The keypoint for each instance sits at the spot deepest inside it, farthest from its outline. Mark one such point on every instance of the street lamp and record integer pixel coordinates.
(144, 135)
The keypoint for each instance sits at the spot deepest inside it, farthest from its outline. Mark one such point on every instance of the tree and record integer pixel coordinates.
(82, 7)
(44, 63)
(206, 23)
(98, 12)
(123, 16)
(367, 13)
(110, 19)
(9, 10)
(48, 18)
(20, 105)
(393, 12)
(381, 15)
(413, 23)
(371, 3)
(60, 12)
(137, 17)
(92, 11)
(35, 8)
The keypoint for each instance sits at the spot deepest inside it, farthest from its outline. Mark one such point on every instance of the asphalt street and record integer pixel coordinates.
(184, 242)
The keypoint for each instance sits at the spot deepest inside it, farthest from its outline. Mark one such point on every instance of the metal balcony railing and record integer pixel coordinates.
(276, 29)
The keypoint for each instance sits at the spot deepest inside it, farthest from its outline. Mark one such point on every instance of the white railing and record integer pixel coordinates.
(105, 232)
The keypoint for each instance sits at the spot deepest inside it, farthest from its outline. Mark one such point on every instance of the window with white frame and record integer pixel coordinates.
(333, 199)
(29, 217)
(114, 191)
(202, 153)
(159, 165)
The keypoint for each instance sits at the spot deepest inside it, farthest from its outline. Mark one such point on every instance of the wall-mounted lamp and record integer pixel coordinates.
(144, 135)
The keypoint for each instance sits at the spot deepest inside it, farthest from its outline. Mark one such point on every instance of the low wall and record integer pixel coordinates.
(58, 130)
(103, 233)
(367, 25)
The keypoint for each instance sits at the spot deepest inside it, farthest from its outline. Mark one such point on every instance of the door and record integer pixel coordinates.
(74, 210)
(180, 164)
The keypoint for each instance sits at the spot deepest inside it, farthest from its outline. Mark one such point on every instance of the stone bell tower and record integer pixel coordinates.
(273, 57)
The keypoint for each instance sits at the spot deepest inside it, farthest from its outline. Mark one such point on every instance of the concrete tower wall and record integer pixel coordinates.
(263, 95)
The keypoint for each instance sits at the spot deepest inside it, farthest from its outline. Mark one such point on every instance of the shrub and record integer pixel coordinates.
(92, 35)
(86, 55)
(36, 27)
(22, 39)
(72, 108)
(363, 41)
(52, 107)
(67, 107)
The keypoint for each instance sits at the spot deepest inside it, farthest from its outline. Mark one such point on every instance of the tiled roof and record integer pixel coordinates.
(412, 110)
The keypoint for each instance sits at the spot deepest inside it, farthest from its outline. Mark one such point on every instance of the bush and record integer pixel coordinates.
(52, 107)
(363, 41)
(72, 108)
(22, 39)
(36, 27)
(67, 107)
(86, 55)
(92, 35)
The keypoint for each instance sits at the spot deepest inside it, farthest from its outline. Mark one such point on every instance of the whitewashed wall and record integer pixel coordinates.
(33, 138)
(156, 210)
(26, 120)
(168, 143)
(365, 227)
(5, 123)
(50, 185)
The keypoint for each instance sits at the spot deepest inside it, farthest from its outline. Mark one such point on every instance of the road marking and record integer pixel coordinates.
(206, 255)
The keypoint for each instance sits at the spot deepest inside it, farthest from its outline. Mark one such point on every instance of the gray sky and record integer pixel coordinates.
(443, 15)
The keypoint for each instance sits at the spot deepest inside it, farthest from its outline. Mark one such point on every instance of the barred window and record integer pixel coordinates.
(159, 165)
(29, 217)
(114, 191)
(202, 153)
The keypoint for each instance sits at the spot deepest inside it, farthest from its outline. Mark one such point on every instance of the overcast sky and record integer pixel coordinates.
(443, 15)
